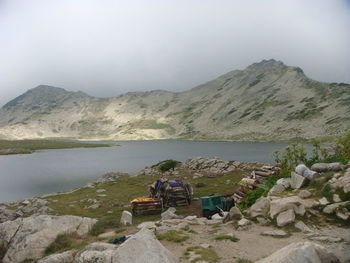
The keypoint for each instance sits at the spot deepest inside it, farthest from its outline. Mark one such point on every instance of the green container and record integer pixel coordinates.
(210, 204)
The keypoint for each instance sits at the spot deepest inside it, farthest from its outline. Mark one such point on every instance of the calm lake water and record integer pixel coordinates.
(47, 171)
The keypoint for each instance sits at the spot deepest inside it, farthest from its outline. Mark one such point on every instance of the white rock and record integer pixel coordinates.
(304, 194)
(309, 174)
(244, 222)
(276, 189)
(259, 207)
(302, 227)
(100, 190)
(297, 181)
(284, 181)
(300, 169)
(216, 217)
(302, 252)
(336, 198)
(170, 214)
(148, 225)
(323, 201)
(343, 214)
(286, 217)
(126, 218)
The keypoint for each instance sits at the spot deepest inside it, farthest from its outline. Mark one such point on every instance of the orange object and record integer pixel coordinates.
(142, 199)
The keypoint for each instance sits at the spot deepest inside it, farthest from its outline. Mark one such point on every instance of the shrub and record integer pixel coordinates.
(167, 165)
(342, 148)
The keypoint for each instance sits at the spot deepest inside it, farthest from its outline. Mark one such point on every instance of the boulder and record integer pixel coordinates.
(304, 194)
(336, 198)
(323, 201)
(149, 225)
(326, 167)
(293, 202)
(126, 218)
(301, 252)
(65, 257)
(302, 227)
(297, 181)
(244, 222)
(170, 214)
(143, 247)
(286, 218)
(300, 169)
(284, 181)
(276, 189)
(260, 207)
(330, 209)
(216, 217)
(309, 174)
(233, 214)
(343, 213)
(27, 238)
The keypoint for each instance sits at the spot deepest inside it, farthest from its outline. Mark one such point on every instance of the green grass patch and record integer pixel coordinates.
(103, 224)
(173, 236)
(227, 237)
(62, 243)
(28, 146)
(201, 254)
(243, 260)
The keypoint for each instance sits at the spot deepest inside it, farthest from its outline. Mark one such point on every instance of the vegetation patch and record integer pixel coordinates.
(173, 236)
(28, 146)
(198, 254)
(227, 237)
(62, 243)
(242, 260)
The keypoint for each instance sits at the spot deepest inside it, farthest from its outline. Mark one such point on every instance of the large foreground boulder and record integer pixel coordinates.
(142, 247)
(302, 252)
(27, 238)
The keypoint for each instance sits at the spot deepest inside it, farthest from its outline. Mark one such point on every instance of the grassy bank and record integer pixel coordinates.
(118, 194)
(29, 146)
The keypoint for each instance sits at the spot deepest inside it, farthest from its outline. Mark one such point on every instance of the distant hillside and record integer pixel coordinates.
(266, 101)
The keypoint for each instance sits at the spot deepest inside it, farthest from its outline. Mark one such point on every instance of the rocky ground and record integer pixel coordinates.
(306, 215)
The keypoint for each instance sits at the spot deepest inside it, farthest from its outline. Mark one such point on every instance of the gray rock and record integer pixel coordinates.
(233, 214)
(65, 257)
(216, 217)
(302, 252)
(326, 167)
(323, 201)
(302, 227)
(293, 202)
(300, 169)
(170, 214)
(259, 207)
(244, 222)
(284, 181)
(126, 218)
(336, 198)
(304, 194)
(286, 218)
(343, 213)
(27, 238)
(297, 181)
(309, 174)
(274, 233)
(276, 189)
(330, 209)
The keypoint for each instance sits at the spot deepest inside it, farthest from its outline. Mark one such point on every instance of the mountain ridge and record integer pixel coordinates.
(266, 101)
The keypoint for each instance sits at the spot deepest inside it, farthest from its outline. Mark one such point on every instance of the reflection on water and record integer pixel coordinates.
(50, 171)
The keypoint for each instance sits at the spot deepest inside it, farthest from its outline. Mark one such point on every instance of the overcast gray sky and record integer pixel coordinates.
(108, 47)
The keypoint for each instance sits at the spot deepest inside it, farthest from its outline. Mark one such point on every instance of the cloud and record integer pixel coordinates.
(106, 47)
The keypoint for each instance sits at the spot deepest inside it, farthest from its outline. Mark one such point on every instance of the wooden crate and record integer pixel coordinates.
(152, 207)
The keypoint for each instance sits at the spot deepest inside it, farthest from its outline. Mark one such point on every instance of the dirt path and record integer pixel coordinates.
(252, 245)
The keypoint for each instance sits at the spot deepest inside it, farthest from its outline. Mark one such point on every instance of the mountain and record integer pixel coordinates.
(266, 101)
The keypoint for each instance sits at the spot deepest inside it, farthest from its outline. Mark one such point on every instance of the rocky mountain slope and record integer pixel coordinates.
(265, 101)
